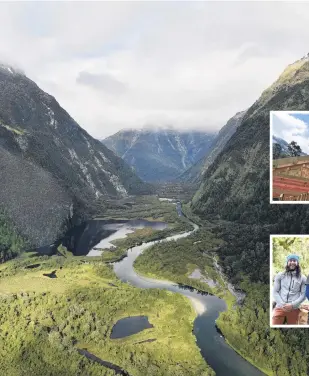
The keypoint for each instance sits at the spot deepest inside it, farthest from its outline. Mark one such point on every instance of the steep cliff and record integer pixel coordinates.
(51, 169)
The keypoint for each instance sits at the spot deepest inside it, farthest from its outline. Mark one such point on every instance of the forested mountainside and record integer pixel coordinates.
(52, 170)
(160, 155)
(236, 188)
(236, 185)
(194, 174)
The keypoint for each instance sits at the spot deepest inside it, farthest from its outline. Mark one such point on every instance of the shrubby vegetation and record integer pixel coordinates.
(245, 258)
(243, 251)
(11, 244)
(293, 150)
(283, 246)
(176, 260)
(278, 352)
(40, 342)
(151, 209)
(44, 321)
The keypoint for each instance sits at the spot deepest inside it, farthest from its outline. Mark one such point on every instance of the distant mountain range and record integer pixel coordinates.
(284, 145)
(160, 155)
(195, 173)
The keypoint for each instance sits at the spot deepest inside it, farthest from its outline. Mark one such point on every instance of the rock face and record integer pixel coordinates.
(236, 185)
(51, 169)
(194, 174)
(159, 155)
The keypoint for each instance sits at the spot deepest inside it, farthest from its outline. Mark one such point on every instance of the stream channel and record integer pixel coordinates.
(93, 236)
(214, 349)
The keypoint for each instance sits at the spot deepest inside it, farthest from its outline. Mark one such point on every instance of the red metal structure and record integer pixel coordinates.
(291, 179)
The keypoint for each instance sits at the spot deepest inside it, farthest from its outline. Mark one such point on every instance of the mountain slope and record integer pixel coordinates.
(51, 169)
(159, 155)
(236, 188)
(236, 185)
(195, 173)
(284, 145)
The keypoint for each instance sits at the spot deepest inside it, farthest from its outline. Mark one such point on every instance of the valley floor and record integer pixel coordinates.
(44, 321)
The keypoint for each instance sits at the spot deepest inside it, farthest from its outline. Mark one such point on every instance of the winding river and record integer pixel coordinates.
(217, 353)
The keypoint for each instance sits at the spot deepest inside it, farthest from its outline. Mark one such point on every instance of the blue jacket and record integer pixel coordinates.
(307, 291)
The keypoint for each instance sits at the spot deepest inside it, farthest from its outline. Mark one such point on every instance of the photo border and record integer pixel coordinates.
(271, 280)
(271, 157)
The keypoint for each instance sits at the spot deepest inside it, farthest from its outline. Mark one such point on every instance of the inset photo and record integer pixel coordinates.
(289, 281)
(289, 157)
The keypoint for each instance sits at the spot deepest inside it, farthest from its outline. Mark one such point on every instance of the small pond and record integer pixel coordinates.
(130, 325)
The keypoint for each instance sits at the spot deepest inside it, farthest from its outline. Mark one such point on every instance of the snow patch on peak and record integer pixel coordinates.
(10, 69)
(6, 68)
(158, 144)
(169, 141)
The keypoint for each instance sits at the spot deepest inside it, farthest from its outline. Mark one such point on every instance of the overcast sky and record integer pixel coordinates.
(291, 126)
(114, 65)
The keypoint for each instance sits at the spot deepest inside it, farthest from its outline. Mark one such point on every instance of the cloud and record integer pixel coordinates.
(289, 127)
(192, 65)
(104, 82)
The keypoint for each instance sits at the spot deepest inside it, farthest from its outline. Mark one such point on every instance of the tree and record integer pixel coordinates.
(277, 149)
(294, 149)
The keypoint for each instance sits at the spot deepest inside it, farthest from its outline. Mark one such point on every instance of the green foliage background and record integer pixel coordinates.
(44, 321)
(283, 246)
(11, 243)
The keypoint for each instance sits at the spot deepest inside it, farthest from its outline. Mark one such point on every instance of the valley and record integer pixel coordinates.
(143, 251)
(91, 298)
(92, 295)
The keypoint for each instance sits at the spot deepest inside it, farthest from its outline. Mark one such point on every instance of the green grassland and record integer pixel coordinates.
(151, 209)
(242, 325)
(53, 317)
(176, 260)
(17, 130)
(44, 321)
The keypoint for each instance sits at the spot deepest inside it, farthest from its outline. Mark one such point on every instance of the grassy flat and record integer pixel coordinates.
(43, 321)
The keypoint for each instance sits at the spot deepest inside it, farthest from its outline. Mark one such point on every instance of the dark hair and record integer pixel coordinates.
(298, 270)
